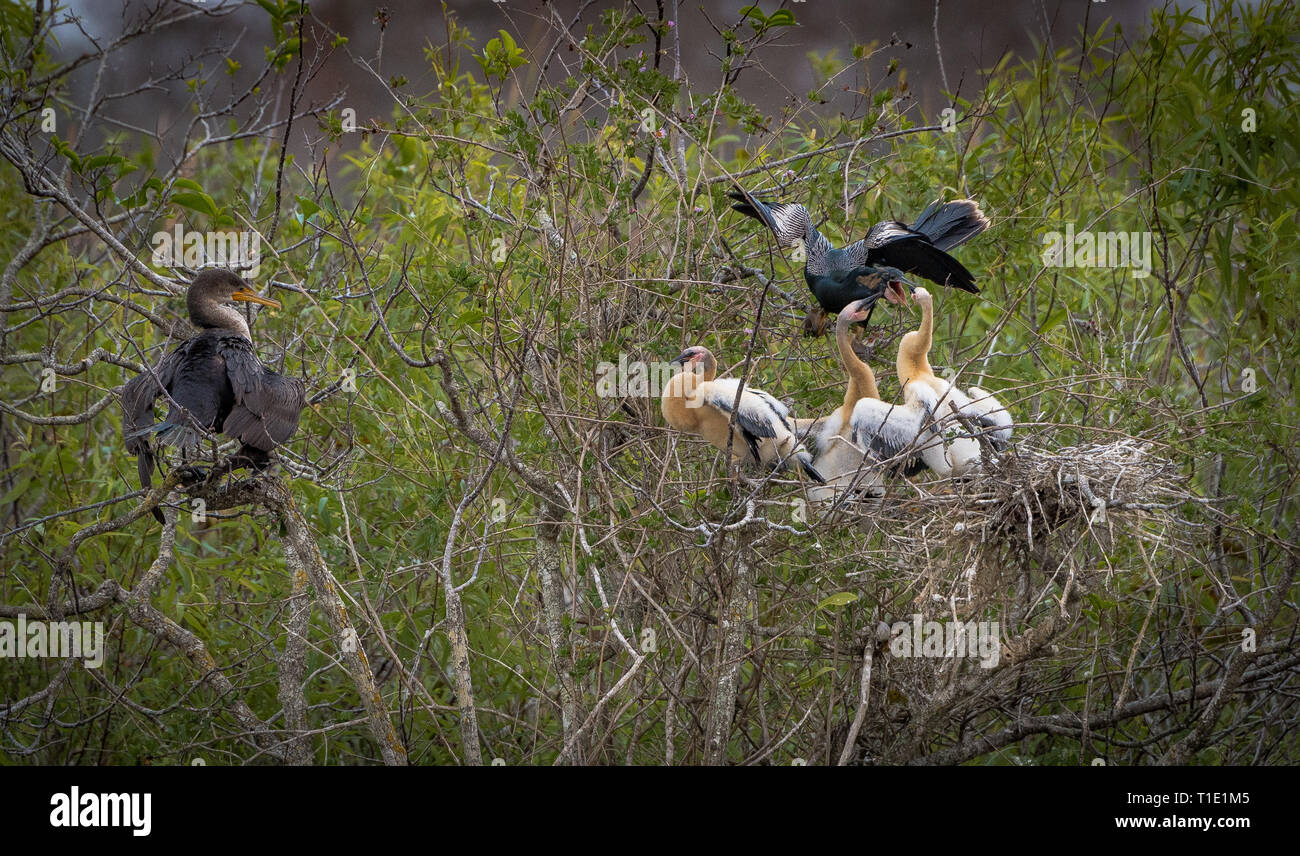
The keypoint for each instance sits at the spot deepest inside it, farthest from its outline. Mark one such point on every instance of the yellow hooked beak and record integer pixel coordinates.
(255, 298)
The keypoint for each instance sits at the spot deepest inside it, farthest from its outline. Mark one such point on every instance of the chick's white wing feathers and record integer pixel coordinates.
(764, 422)
(759, 413)
(885, 430)
(830, 429)
(989, 413)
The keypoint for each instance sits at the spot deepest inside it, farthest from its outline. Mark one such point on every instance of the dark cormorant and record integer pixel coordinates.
(213, 382)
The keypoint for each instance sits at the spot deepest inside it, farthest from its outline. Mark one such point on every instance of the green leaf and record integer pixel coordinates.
(1055, 319)
(500, 55)
(200, 202)
(844, 598)
(16, 491)
(63, 148)
(470, 317)
(99, 161)
(272, 9)
(812, 680)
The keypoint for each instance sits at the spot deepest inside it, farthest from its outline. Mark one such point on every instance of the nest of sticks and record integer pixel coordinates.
(1031, 510)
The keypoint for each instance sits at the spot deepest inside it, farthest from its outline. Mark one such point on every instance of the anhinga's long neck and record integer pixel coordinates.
(207, 314)
(862, 380)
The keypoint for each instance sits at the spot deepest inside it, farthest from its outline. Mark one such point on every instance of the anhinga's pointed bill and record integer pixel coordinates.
(250, 297)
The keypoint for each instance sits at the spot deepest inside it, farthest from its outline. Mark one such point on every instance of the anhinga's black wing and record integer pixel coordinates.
(919, 248)
(790, 223)
(266, 405)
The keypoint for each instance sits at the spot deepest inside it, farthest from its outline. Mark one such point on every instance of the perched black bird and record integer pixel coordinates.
(213, 382)
(889, 250)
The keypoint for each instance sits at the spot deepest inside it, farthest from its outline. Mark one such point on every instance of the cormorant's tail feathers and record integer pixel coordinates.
(144, 463)
(173, 434)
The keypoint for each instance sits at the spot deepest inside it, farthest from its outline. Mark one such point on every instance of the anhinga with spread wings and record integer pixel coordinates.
(695, 401)
(213, 383)
(833, 273)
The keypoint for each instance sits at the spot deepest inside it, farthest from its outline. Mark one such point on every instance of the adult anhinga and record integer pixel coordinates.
(696, 402)
(213, 382)
(921, 388)
(890, 246)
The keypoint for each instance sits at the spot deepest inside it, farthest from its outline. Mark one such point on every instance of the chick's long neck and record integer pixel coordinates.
(710, 367)
(862, 380)
(914, 353)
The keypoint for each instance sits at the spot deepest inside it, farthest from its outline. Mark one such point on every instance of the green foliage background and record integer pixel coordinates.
(398, 246)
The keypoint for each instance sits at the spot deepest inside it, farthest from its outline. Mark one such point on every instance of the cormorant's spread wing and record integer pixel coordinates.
(919, 248)
(951, 224)
(890, 231)
(894, 244)
(137, 397)
(267, 405)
